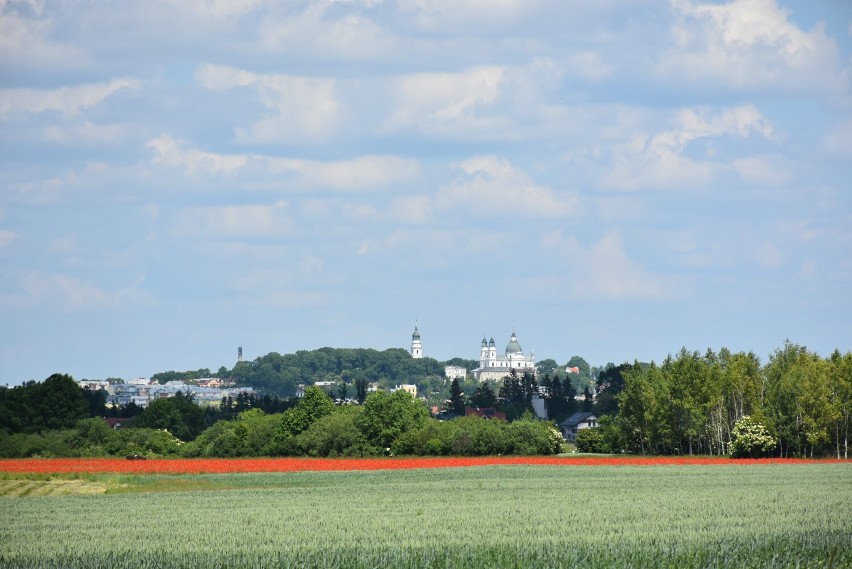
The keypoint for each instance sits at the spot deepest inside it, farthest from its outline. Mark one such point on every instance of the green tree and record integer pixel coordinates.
(314, 405)
(179, 415)
(457, 401)
(483, 396)
(546, 366)
(386, 416)
(361, 385)
(55, 403)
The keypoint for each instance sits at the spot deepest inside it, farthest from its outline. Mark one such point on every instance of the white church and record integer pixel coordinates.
(494, 366)
(491, 365)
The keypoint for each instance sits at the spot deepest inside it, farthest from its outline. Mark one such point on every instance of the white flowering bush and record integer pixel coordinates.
(751, 439)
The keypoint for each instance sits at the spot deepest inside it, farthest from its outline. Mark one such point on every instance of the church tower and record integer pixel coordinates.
(416, 345)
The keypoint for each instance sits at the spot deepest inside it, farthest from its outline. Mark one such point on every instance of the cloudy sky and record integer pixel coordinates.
(611, 179)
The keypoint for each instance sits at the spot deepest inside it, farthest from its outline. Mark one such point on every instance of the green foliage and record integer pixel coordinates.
(475, 436)
(179, 415)
(55, 403)
(314, 405)
(484, 396)
(251, 434)
(336, 435)
(750, 439)
(457, 401)
(167, 376)
(387, 416)
(691, 402)
(591, 440)
(281, 374)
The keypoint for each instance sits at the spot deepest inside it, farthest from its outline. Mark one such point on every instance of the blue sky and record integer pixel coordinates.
(611, 179)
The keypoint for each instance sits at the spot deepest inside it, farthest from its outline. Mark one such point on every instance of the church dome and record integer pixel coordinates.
(513, 347)
(416, 334)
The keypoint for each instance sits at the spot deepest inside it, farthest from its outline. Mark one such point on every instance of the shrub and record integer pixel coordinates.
(591, 440)
(751, 439)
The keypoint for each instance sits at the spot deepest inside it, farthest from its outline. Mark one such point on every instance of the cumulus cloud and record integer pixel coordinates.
(249, 221)
(70, 101)
(303, 108)
(491, 186)
(661, 161)
(747, 44)
(171, 152)
(338, 29)
(604, 271)
(25, 37)
(370, 173)
(424, 100)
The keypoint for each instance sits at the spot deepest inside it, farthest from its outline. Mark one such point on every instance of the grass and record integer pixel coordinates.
(774, 515)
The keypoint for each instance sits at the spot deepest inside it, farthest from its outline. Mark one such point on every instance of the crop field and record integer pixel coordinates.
(515, 515)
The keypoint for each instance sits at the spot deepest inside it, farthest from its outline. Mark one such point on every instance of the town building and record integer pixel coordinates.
(409, 387)
(455, 372)
(495, 367)
(416, 345)
(576, 423)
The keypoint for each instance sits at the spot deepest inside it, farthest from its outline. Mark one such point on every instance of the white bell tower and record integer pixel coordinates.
(416, 344)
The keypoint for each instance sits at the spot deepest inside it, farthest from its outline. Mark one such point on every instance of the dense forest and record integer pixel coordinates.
(690, 403)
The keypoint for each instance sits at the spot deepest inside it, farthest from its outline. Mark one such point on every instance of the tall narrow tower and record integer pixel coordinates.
(416, 345)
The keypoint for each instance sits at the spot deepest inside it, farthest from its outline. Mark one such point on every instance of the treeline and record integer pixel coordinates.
(282, 374)
(689, 403)
(314, 426)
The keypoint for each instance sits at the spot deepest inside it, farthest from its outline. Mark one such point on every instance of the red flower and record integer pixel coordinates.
(222, 465)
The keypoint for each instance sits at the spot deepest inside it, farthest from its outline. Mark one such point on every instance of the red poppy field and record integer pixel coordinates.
(223, 466)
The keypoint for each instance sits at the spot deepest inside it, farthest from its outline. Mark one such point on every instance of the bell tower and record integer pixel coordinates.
(416, 344)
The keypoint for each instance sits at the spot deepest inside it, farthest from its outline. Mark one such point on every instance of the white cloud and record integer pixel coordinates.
(493, 187)
(749, 44)
(763, 170)
(171, 152)
(6, 237)
(603, 270)
(370, 173)
(236, 221)
(70, 101)
(329, 29)
(659, 161)
(215, 11)
(304, 108)
(426, 99)
(24, 38)
(442, 16)
(72, 293)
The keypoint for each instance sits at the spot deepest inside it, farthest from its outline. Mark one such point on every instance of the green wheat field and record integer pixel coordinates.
(498, 516)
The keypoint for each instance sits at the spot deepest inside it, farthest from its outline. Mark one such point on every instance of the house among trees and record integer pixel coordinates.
(485, 413)
(575, 423)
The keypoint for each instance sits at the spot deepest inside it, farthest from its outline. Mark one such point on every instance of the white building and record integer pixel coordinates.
(416, 345)
(496, 367)
(455, 372)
